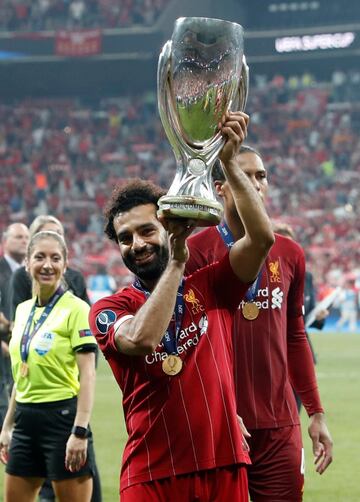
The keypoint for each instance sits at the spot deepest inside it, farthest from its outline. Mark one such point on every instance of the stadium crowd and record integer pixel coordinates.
(63, 158)
(40, 15)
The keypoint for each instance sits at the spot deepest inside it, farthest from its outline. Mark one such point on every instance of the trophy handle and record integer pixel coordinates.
(244, 84)
(163, 74)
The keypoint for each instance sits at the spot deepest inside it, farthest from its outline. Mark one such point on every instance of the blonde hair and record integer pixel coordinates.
(41, 221)
(47, 234)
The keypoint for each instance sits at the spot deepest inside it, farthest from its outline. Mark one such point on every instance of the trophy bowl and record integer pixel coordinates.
(202, 74)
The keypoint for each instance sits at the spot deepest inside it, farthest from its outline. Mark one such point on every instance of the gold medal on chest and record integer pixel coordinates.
(172, 365)
(250, 311)
(24, 369)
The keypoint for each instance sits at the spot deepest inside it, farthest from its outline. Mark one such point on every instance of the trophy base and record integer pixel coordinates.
(207, 213)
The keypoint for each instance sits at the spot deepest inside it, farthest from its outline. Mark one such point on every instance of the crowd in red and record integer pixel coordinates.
(308, 134)
(64, 158)
(35, 15)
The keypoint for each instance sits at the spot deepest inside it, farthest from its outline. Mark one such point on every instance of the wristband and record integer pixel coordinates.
(81, 432)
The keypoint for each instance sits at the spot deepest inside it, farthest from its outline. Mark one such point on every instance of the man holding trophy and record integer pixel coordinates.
(271, 351)
(168, 338)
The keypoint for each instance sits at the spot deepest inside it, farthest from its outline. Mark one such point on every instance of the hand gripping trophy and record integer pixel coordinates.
(202, 73)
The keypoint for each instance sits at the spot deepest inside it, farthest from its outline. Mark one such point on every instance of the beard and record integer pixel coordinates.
(152, 270)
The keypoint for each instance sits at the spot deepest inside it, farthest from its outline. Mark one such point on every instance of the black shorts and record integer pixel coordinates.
(38, 442)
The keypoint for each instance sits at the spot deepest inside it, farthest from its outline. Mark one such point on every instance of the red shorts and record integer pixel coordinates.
(277, 470)
(217, 485)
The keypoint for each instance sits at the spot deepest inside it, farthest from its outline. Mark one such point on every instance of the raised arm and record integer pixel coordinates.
(249, 252)
(141, 334)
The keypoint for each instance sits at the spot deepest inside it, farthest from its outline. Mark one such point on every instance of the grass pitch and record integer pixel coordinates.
(339, 381)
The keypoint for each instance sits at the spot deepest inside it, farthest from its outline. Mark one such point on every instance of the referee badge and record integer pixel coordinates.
(43, 343)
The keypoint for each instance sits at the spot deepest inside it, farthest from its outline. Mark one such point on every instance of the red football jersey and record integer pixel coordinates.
(184, 423)
(271, 353)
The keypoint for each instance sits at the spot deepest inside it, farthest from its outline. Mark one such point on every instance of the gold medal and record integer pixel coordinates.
(172, 365)
(250, 311)
(24, 369)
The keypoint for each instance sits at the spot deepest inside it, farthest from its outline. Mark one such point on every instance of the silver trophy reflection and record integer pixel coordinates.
(202, 73)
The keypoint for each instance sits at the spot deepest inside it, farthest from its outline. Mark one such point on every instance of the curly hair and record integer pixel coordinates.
(217, 173)
(125, 196)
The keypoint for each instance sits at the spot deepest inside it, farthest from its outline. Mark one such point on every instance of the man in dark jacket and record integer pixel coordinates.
(14, 242)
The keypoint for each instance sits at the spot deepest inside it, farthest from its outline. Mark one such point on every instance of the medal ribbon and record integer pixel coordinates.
(170, 338)
(229, 241)
(226, 234)
(252, 292)
(27, 336)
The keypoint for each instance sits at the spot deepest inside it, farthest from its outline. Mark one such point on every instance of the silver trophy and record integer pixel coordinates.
(202, 73)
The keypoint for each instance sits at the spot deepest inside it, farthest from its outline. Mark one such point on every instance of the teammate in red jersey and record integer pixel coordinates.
(168, 343)
(271, 350)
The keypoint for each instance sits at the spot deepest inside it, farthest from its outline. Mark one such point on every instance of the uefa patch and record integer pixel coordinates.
(84, 332)
(105, 320)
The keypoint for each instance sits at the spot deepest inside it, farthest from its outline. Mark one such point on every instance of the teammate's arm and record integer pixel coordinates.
(304, 382)
(322, 442)
(302, 376)
(248, 253)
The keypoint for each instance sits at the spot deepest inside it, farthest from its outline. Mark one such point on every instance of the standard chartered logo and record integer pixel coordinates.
(276, 298)
(267, 298)
(188, 337)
